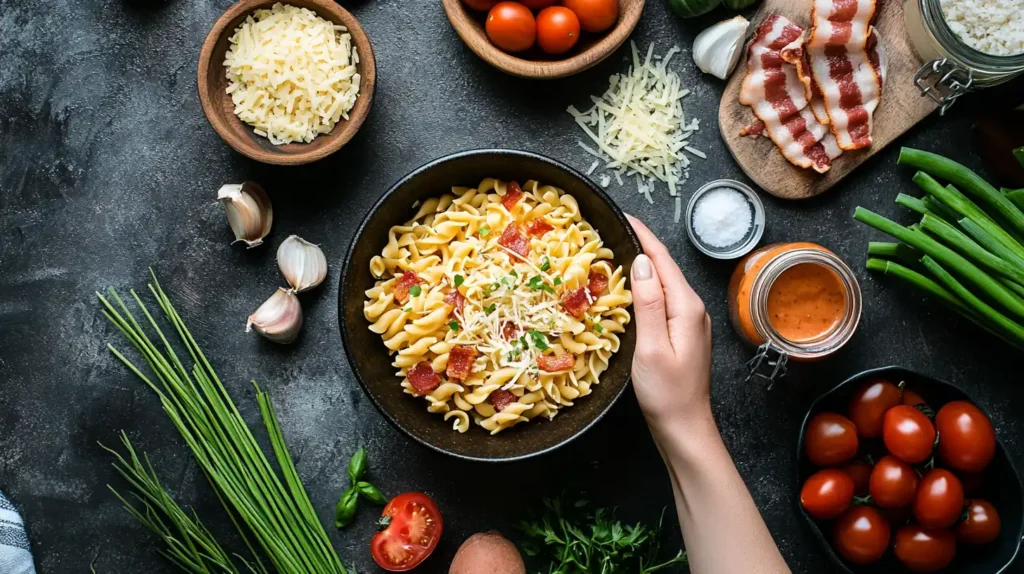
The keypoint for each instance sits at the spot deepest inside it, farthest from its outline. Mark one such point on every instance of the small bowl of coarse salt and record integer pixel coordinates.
(725, 219)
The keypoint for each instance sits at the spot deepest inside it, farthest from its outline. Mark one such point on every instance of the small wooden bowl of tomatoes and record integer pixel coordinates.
(900, 472)
(543, 39)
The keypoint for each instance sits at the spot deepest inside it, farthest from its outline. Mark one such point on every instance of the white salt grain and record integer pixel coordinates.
(722, 217)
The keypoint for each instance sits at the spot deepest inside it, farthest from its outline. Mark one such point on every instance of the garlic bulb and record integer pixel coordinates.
(302, 263)
(249, 211)
(279, 318)
(717, 49)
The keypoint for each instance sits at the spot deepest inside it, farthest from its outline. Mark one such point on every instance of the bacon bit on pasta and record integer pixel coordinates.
(423, 378)
(513, 193)
(407, 280)
(460, 361)
(501, 399)
(597, 283)
(576, 302)
(538, 227)
(509, 330)
(456, 300)
(514, 240)
(556, 363)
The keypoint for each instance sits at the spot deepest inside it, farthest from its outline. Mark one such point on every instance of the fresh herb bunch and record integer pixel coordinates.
(578, 541)
(345, 511)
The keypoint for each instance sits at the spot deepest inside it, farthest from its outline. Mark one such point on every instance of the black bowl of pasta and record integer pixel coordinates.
(485, 306)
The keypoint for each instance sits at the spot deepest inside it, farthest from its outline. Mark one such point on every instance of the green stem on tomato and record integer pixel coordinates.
(929, 246)
(964, 179)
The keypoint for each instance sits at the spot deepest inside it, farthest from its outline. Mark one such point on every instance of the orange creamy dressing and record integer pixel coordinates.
(806, 302)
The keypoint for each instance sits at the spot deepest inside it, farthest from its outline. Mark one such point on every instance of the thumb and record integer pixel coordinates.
(649, 306)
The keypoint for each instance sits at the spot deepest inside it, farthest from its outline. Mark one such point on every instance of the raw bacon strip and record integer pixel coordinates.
(423, 378)
(456, 300)
(501, 399)
(514, 240)
(837, 51)
(774, 92)
(796, 54)
(756, 128)
(538, 227)
(556, 363)
(460, 361)
(513, 193)
(596, 284)
(509, 330)
(576, 302)
(407, 280)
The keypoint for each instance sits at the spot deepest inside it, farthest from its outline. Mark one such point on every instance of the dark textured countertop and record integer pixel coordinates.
(108, 166)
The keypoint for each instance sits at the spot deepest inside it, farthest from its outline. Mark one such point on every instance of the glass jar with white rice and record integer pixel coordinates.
(965, 44)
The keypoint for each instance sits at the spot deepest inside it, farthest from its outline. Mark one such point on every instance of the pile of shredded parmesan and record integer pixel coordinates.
(639, 127)
(291, 74)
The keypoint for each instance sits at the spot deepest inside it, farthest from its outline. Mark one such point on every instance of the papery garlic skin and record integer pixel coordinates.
(279, 318)
(302, 263)
(249, 212)
(717, 49)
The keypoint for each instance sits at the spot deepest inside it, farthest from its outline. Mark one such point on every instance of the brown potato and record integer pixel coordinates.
(487, 552)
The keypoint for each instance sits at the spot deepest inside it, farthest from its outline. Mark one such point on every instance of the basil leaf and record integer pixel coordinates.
(357, 465)
(454, 325)
(459, 279)
(558, 281)
(345, 511)
(371, 493)
(539, 340)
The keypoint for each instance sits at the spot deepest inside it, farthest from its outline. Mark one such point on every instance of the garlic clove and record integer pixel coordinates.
(249, 211)
(717, 49)
(302, 263)
(279, 318)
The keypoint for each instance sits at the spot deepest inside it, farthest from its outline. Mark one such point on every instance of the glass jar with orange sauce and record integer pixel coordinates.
(799, 298)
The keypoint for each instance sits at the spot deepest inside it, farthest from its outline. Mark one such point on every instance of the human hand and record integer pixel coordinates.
(672, 362)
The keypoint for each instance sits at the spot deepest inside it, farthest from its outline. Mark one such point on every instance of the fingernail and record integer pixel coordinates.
(642, 267)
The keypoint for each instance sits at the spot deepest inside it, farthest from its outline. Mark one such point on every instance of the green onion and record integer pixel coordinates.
(900, 251)
(1019, 154)
(539, 339)
(1017, 197)
(275, 509)
(407, 309)
(558, 281)
(952, 236)
(965, 179)
(912, 203)
(943, 254)
(415, 290)
(453, 325)
(989, 242)
(459, 280)
(938, 208)
(598, 328)
(546, 265)
(483, 231)
(514, 274)
(490, 308)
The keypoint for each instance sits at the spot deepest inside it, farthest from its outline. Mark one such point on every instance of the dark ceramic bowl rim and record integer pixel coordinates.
(859, 377)
(345, 278)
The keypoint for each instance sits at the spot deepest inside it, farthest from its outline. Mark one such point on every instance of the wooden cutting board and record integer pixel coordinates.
(901, 107)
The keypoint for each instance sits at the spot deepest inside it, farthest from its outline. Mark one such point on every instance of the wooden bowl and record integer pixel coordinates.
(219, 108)
(370, 360)
(591, 48)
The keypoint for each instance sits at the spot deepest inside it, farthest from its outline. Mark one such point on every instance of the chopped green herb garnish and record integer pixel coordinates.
(539, 339)
(407, 309)
(484, 230)
(537, 284)
(454, 325)
(490, 308)
(459, 279)
(598, 328)
(490, 289)
(415, 290)
(514, 274)
(546, 265)
(558, 281)
(525, 344)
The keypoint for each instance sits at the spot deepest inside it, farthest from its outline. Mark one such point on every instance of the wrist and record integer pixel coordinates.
(687, 438)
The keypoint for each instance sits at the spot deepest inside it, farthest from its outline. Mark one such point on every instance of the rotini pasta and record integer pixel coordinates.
(499, 304)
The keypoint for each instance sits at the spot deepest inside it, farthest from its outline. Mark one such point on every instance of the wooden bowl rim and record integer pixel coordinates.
(343, 131)
(460, 19)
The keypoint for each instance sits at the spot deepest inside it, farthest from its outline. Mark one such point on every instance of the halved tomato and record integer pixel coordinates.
(410, 529)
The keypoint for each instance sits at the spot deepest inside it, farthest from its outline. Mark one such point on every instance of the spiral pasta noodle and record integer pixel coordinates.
(498, 304)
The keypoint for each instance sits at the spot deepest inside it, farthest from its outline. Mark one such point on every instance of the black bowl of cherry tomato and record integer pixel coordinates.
(900, 472)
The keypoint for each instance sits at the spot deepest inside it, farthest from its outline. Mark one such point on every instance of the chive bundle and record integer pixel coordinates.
(275, 509)
(968, 249)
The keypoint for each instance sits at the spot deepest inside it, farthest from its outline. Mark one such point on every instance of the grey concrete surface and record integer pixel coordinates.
(108, 166)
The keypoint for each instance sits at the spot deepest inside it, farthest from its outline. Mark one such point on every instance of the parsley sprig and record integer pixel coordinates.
(577, 541)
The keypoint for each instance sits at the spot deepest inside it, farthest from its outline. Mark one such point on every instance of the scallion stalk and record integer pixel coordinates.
(954, 238)
(912, 203)
(1017, 197)
(988, 241)
(900, 251)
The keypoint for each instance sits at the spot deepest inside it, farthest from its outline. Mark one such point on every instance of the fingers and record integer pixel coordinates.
(649, 307)
(681, 301)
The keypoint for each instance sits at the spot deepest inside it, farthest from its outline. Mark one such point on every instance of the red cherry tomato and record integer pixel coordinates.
(924, 550)
(511, 26)
(893, 483)
(558, 29)
(594, 15)
(913, 399)
(868, 406)
(412, 526)
(827, 493)
(908, 434)
(940, 499)
(982, 524)
(830, 439)
(537, 4)
(967, 440)
(481, 5)
(861, 535)
(860, 472)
